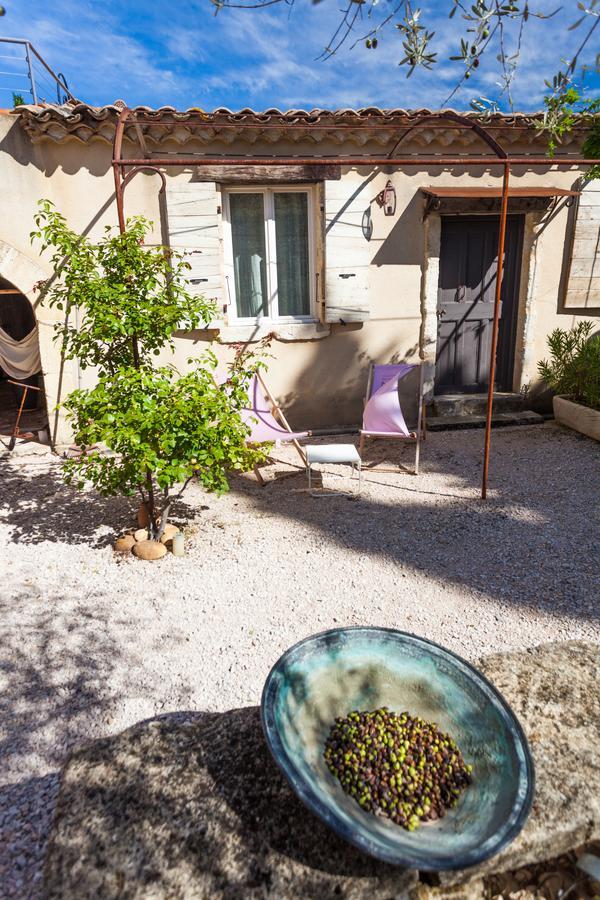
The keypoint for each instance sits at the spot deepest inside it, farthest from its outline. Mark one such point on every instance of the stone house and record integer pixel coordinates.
(344, 263)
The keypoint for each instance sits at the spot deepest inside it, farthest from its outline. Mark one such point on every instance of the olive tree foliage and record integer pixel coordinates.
(496, 27)
(144, 428)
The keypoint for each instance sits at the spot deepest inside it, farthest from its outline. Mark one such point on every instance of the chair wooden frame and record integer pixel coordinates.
(414, 437)
(277, 413)
(16, 433)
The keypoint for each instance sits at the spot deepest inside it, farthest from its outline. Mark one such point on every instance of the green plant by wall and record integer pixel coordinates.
(122, 302)
(18, 100)
(574, 365)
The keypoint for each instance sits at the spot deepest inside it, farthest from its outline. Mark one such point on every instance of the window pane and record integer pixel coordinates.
(249, 253)
(291, 232)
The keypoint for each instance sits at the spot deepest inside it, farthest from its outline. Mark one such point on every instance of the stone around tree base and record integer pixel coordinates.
(124, 543)
(194, 807)
(149, 549)
(142, 517)
(169, 533)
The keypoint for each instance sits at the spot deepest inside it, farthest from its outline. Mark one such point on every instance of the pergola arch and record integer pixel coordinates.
(499, 158)
(20, 270)
(24, 273)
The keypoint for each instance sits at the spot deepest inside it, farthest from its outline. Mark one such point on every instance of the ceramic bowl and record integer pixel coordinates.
(332, 673)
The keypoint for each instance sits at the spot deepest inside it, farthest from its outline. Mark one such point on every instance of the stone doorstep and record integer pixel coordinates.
(476, 404)
(499, 420)
(192, 806)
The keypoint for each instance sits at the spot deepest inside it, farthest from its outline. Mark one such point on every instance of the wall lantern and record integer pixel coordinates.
(387, 199)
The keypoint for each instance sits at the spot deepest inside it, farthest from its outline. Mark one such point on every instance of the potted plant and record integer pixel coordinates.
(573, 372)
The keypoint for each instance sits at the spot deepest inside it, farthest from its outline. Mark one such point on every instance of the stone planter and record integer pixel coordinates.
(580, 418)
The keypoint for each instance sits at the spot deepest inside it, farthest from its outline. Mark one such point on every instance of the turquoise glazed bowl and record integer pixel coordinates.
(332, 673)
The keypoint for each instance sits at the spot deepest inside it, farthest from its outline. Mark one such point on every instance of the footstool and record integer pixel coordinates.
(335, 454)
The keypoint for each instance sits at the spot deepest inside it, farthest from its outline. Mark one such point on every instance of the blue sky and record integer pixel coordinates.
(179, 53)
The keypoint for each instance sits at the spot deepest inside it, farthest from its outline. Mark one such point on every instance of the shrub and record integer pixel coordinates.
(574, 366)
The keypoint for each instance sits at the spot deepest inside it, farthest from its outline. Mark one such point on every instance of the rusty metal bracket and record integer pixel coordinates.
(431, 205)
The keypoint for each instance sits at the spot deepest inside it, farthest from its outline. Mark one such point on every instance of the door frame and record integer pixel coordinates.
(430, 274)
(505, 354)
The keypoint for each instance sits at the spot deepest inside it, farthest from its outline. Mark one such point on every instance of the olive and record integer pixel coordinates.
(397, 766)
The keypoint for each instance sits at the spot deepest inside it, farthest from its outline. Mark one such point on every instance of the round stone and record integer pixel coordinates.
(169, 532)
(124, 543)
(141, 534)
(149, 549)
(142, 517)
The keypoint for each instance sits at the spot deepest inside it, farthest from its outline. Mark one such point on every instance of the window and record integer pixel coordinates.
(269, 253)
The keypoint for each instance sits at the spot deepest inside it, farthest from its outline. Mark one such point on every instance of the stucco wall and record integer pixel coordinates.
(320, 382)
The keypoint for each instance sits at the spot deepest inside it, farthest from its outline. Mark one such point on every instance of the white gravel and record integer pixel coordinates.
(92, 643)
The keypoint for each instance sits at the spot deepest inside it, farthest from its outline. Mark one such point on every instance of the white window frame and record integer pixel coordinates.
(268, 192)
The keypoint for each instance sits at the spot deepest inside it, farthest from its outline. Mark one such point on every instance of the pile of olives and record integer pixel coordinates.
(396, 765)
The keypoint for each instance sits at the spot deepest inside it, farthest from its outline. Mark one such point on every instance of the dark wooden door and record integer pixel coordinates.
(465, 310)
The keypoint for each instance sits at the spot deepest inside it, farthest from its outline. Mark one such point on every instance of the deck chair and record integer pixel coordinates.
(260, 417)
(383, 416)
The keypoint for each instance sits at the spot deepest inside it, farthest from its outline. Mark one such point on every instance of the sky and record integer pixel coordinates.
(179, 53)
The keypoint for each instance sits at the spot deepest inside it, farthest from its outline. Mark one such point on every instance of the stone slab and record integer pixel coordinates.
(555, 692)
(475, 404)
(499, 420)
(192, 806)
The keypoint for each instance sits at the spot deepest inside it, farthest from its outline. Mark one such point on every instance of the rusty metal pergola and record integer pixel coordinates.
(443, 119)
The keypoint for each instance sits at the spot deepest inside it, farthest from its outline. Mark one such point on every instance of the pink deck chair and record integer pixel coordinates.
(383, 416)
(259, 416)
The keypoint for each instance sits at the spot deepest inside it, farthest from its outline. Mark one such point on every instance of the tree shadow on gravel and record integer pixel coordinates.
(192, 804)
(56, 672)
(531, 544)
(40, 506)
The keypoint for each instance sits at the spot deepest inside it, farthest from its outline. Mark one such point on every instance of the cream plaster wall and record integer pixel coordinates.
(320, 382)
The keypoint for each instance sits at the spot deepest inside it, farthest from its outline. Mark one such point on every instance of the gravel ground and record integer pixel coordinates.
(92, 643)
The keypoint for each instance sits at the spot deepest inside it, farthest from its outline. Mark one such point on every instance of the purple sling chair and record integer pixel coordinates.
(264, 427)
(383, 416)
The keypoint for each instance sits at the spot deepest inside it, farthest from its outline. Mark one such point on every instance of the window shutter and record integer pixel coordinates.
(347, 252)
(194, 229)
(583, 284)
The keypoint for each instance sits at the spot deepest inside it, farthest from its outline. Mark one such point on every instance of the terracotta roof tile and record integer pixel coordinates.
(359, 126)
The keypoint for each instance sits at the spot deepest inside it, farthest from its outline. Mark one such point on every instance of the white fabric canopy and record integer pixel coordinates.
(20, 359)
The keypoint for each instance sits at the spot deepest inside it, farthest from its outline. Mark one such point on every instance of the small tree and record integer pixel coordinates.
(143, 428)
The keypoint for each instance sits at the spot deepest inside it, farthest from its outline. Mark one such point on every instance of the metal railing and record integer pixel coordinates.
(26, 75)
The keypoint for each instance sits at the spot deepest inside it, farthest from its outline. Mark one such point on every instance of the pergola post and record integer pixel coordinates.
(495, 329)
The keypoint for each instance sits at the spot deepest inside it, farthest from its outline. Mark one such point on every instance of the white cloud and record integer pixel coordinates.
(181, 54)
(91, 49)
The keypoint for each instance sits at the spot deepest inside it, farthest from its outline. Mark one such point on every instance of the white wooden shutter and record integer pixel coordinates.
(194, 228)
(347, 252)
(583, 285)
